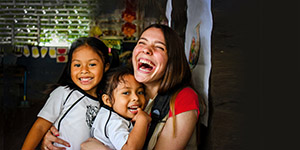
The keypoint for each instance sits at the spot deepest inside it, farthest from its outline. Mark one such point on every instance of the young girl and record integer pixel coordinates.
(123, 99)
(73, 104)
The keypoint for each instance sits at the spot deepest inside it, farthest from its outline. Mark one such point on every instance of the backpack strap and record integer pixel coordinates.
(159, 110)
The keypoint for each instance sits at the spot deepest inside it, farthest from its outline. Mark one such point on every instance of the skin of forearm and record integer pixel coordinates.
(36, 134)
(137, 136)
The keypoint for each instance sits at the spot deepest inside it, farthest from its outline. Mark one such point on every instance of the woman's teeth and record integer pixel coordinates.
(146, 62)
(145, 65)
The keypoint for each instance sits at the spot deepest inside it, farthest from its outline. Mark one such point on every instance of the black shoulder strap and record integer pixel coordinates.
(159, 110)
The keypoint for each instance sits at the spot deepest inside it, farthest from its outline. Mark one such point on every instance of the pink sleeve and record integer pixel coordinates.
(187, 99)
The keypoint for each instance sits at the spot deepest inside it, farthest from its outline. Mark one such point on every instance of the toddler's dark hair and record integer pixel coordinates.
(112, 79)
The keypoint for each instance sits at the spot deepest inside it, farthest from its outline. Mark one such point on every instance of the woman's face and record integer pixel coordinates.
(150, 57)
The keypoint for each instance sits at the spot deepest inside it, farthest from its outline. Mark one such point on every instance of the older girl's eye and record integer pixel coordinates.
(92, 65)
(76, 65)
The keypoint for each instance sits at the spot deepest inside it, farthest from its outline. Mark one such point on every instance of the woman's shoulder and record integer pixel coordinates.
(188, 91)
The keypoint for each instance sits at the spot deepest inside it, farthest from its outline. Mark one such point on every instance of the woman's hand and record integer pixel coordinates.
(93, 144)
(51, 137)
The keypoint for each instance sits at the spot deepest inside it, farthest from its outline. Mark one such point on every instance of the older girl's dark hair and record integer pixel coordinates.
(178, 73)
(97, 45)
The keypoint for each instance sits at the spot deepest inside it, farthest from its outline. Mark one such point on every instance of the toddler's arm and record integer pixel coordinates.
(137, 136)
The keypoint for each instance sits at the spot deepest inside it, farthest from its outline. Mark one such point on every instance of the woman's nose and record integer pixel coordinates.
(147, 50)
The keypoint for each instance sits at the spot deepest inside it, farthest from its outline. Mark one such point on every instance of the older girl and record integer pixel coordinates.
(73, 104)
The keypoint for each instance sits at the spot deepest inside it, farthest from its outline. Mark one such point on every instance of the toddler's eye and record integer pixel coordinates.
(141, 92)
(125, 93)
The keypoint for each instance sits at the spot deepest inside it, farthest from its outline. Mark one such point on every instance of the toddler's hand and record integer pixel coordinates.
(141, 116)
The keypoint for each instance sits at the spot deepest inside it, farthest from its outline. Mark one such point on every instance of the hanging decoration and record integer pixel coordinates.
(195, 47)
(61, 56)
(52, 52)
(18, 50)
(44, 51)
(129, 15)
(62, 50)
(112, 43)
(35, 52)
(26, 51)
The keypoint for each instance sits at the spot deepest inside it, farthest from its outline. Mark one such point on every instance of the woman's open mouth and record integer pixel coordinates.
(145, 65)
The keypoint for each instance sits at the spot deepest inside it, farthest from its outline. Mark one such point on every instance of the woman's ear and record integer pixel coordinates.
(107, 65)
(106, 100)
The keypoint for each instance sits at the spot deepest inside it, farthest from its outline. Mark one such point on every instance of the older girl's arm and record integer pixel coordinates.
(50, 138)
(36, 133)
(185, 125)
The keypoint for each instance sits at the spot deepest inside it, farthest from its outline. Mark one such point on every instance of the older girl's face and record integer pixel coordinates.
(150, 57)
(87, 69)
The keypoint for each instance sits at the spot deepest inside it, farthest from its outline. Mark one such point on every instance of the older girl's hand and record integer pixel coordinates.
(93, 144)
(50, 138)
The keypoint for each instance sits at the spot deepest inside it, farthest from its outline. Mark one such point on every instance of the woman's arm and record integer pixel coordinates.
(93, 144)
(36, 133)
(185, 125)
(51, 137)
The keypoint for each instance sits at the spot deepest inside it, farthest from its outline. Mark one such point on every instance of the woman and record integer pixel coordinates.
(159, 62)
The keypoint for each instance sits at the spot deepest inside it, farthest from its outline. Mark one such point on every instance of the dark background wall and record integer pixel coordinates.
(40, 73)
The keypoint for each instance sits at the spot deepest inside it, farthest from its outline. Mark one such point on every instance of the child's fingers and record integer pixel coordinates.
(54, 131)
(49, 139)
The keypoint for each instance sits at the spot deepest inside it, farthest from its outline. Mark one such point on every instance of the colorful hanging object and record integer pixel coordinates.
(35, 52)
(61, 55)
(44, 51)
(129, 15)
(52, 52)
(26, 51)
(62, 58)
(18, 50)
(62, 50)
(195, 47)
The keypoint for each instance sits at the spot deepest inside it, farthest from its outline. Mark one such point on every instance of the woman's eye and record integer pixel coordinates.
(161, 48)
(141, 42)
